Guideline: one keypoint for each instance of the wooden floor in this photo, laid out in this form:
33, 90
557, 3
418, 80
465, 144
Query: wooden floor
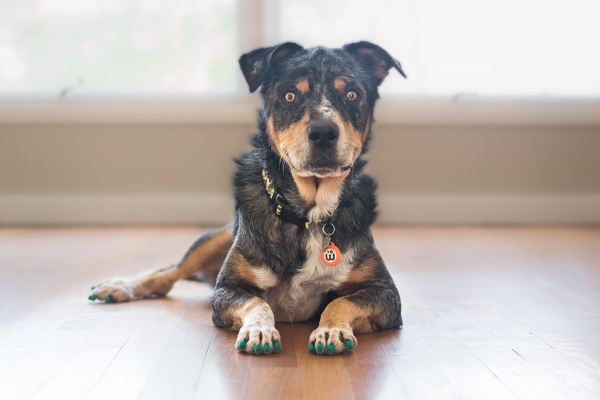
490, 313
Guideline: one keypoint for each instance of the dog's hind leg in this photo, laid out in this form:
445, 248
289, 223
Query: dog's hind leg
201, 262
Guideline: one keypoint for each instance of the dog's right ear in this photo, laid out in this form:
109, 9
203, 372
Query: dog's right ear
256, 64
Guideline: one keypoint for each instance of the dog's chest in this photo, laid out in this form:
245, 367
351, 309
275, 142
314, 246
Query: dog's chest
299, 299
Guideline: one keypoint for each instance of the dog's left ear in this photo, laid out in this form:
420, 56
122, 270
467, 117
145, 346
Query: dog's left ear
373, 58
256, 64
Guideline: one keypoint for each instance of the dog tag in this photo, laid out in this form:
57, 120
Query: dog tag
332, 255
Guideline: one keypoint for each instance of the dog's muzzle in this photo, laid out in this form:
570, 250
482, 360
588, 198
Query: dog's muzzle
324, 159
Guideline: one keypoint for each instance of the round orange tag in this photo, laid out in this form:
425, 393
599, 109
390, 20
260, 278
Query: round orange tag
332, 255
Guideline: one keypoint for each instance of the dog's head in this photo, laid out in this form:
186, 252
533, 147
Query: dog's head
318, 102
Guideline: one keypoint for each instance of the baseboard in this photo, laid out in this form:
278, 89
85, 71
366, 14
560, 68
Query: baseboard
490, 209
172, 209
201, 209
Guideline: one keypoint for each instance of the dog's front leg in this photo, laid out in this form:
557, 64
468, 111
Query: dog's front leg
251, 315
373, 306
238, 305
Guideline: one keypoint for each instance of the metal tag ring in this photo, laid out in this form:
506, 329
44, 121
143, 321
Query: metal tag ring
332, 229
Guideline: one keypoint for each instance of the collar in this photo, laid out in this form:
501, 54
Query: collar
280, 206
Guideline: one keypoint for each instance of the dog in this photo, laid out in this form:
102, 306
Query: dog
300, 247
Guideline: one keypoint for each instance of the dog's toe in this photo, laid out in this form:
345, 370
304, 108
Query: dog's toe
258, 340
330, 341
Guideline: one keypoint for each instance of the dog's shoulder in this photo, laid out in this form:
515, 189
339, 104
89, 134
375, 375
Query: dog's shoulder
247, 180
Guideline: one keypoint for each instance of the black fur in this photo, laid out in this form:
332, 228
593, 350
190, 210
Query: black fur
261, 237
281, 244
313, 131
321, 65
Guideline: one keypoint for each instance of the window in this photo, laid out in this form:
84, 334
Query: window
509, 47
118, 46
495, 48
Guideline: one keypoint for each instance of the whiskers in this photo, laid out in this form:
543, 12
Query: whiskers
284, 162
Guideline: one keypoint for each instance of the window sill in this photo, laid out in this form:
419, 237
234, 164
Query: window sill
241, 110
130, 110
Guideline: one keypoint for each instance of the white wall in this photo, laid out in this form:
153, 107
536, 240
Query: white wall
121, 171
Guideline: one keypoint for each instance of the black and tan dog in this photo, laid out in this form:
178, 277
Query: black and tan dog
300, 246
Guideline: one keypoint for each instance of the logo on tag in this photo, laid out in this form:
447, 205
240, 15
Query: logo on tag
332, 255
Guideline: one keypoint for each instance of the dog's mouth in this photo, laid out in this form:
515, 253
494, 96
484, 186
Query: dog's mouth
321, 172
314, 164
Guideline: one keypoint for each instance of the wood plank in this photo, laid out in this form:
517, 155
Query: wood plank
507, 313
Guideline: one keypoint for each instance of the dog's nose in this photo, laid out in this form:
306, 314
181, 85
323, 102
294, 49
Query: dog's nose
323, 134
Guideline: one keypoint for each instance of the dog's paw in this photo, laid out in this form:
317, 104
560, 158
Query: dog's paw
257, 339
330, 341
115, 290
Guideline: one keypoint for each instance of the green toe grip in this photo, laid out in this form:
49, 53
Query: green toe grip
109, 299
330, 349
93, 287
242, 346
320, 347
257, 349
349, 345
267, 349
276, 347
91, 297
311, 348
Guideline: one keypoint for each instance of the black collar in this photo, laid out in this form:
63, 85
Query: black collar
280, 206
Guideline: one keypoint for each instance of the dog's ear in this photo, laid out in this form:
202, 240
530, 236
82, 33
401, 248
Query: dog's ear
373, 58
256, 64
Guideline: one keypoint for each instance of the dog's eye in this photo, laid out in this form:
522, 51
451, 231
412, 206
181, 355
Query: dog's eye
351, 96
290, 97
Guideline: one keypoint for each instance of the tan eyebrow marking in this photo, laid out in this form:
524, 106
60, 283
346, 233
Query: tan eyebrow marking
303, 86
339, 84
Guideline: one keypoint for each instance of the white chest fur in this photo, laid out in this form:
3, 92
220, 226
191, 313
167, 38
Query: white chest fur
299, 299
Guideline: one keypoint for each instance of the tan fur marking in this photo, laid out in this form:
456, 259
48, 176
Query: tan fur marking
161, 281
361, 274
350, 135
208, 257
243, 310
327, 186
365, 134
238, 315
339, 84
315, 190
307, 186
291, 143
240, 266
344, 314
356, 138
285, 141
303, 86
